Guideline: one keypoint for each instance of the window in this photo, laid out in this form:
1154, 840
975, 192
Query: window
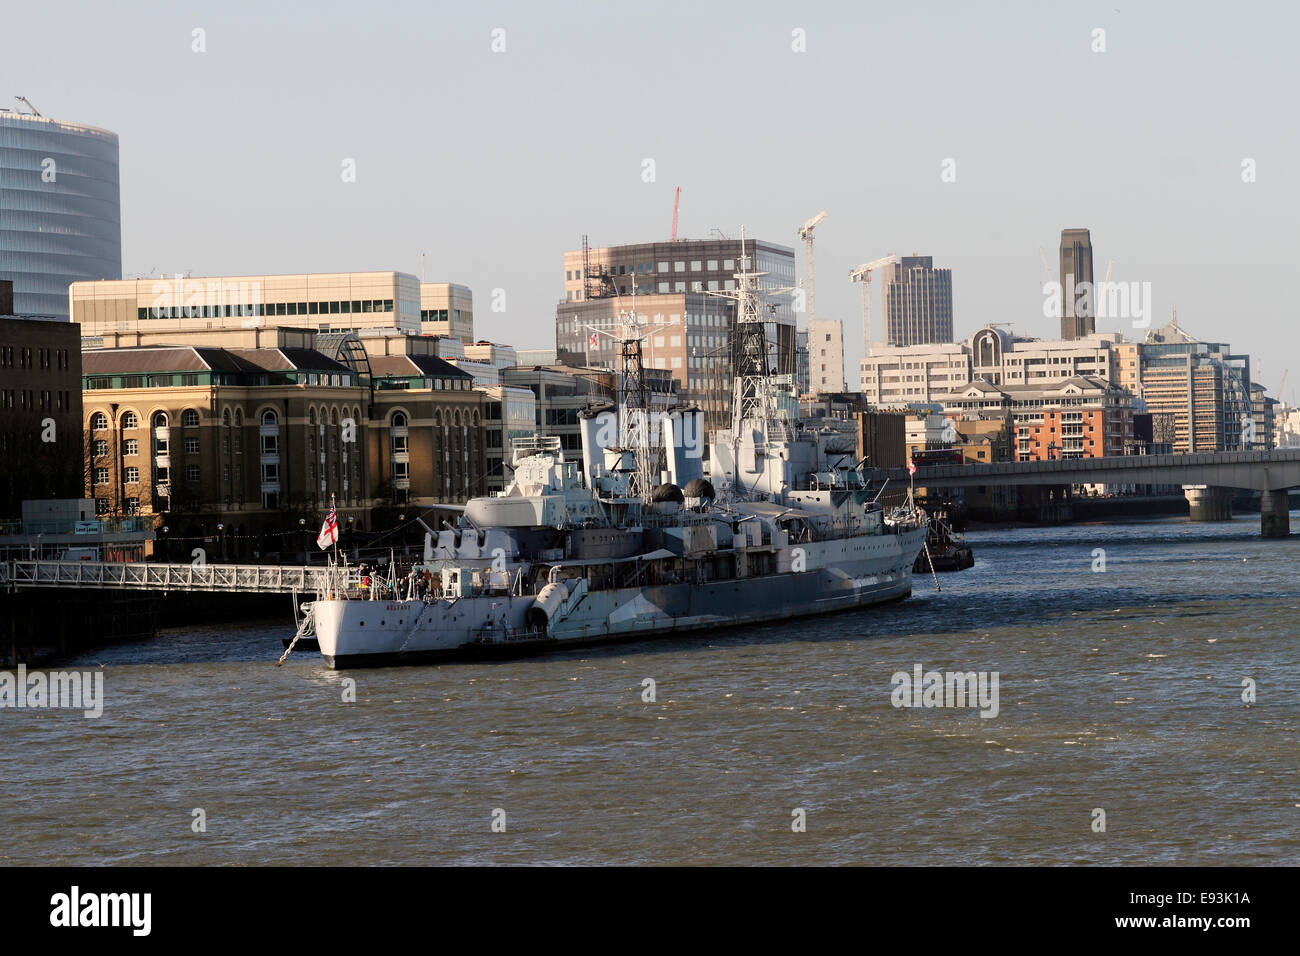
130, 421
192, 473
162, 475
270, 445
101, 506
268, 418
160, 446
399, 444
133, 476
101, 476
99, 422
225, 418
189, 418
131, 446
270, 472
133, 506
191, 446
101, 447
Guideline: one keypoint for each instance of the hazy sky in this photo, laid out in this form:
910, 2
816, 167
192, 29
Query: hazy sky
493, 164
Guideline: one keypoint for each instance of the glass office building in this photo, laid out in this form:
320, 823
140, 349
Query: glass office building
60, 209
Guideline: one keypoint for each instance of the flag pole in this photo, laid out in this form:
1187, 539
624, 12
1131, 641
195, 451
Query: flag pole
335, 535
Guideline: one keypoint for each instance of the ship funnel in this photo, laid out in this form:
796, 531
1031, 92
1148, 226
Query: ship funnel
599, 430
684, 445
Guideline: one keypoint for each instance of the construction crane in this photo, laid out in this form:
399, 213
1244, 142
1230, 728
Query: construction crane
676, 199
863, 274
806, 234
28, 103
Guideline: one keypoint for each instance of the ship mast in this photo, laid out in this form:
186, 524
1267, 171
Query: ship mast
753, 398
636, 431
634, 420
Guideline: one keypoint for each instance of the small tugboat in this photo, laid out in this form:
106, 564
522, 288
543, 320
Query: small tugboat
945, 550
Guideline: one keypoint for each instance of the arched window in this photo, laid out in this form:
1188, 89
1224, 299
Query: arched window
269, 418
225, 417
189, 418
475, 417
455, 418
239, 417
334, 416
311, 417
437, 417
160, 420
129, 421
399, 419
99, 422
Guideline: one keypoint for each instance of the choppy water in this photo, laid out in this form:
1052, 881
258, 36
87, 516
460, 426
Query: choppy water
1119, 690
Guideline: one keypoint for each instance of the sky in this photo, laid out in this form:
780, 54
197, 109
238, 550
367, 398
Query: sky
971, 132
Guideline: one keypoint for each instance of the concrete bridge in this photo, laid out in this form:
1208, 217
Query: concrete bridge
148, 576
1206, 478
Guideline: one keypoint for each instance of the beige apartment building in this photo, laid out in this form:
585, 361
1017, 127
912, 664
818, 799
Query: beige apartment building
901, 375
334, 301
447, 309
825, 356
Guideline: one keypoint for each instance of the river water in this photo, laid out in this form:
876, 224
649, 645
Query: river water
1120, 690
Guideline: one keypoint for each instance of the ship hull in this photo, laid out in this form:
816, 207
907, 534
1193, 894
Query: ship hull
379, 634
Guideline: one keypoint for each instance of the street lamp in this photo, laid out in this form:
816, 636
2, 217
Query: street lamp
221, 531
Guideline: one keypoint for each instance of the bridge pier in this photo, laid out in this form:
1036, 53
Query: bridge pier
1275, 514
1208, 503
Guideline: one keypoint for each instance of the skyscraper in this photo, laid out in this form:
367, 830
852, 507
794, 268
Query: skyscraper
60, 209
1076, 267
918, 302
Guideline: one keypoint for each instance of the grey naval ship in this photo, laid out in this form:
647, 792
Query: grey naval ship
635, 540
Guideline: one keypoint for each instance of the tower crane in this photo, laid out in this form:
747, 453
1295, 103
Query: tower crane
806, 234
676, 199
28, 103
863, 274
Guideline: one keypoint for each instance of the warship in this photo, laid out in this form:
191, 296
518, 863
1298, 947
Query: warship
632, 539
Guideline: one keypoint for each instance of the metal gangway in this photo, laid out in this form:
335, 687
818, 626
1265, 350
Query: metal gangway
149, 576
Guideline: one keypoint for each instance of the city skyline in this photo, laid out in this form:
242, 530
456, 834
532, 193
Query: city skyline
1168, 201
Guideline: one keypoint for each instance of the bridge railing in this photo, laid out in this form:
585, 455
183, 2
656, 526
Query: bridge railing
267, 579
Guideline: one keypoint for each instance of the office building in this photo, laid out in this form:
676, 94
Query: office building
41, 442
134, 311
685, 333
918, 302
1205, 384
447, 309
509, 413
60, 209
1078, 320
825, 356
895, 376
683, 267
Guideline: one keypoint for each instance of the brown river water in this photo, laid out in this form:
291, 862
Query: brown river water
1119, 690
